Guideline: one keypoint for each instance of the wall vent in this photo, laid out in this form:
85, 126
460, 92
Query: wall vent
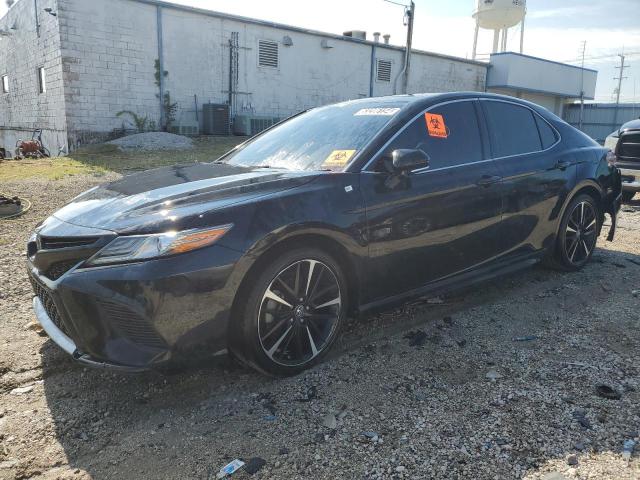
267, 54
383, 70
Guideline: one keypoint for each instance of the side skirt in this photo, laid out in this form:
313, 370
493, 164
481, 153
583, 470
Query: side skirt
457, 281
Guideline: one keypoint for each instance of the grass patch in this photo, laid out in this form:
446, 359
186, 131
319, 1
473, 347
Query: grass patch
110, 157
49, 168
101, 158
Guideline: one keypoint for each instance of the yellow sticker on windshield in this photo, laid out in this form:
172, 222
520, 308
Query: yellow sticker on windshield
338, 158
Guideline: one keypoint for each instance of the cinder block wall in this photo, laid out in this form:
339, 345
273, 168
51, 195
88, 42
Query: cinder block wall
28, 47
109, 48
108, 52
101, 61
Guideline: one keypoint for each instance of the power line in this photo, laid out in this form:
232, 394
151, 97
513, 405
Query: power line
600, 57
396, 3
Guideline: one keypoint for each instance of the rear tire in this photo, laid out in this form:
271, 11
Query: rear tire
628, 196
294, 309
578, 234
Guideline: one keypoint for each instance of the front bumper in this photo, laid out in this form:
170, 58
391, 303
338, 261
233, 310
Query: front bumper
139, 316
66, 344
630, 180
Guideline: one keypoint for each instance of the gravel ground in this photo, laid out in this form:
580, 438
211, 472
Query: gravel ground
497, 382
154, 141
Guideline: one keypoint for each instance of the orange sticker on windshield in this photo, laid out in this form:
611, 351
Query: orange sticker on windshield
338, 158
435, 125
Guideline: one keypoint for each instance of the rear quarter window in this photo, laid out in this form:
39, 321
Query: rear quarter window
512, 128
547, 134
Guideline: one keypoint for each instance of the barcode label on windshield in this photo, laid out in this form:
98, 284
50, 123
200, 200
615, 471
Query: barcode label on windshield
376, 111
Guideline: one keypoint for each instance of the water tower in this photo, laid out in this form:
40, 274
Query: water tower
499, 16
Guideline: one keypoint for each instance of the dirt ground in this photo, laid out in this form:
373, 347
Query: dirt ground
497, 382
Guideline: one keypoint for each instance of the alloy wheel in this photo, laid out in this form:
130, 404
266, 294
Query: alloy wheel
580, 236
299, 313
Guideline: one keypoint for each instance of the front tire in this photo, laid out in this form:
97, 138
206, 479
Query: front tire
294, 310
578, 234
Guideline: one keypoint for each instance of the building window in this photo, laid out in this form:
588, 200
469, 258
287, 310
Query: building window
267, 54
383, 70
5, 84
42, 82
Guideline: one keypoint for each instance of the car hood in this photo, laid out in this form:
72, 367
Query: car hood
172, 197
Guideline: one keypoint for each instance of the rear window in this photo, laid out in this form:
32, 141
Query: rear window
512, 129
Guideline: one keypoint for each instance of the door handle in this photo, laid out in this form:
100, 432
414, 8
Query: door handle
563, 165
488, 180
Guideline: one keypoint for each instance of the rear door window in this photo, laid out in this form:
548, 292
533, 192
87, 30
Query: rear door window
449, 134
512, 129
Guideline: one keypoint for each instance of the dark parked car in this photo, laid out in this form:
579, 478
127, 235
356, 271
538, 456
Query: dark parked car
342, 209
625, 144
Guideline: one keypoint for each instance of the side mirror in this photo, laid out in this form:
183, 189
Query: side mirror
405, 160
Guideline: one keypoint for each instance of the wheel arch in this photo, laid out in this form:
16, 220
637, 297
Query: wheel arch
317, 239
591, 188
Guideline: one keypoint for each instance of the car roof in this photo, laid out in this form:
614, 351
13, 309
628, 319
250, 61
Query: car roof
418, 100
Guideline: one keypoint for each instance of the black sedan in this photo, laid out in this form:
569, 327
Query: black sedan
339, 210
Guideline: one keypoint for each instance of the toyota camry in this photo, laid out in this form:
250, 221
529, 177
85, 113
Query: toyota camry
337, 211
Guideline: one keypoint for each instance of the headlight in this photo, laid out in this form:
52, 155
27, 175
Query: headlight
141, 247
611, 142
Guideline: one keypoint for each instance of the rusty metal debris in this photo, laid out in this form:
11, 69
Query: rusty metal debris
31, 148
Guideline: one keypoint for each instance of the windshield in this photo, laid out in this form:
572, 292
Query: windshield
325, 138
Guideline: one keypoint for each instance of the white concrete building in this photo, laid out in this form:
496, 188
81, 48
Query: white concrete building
545, 82
70, 66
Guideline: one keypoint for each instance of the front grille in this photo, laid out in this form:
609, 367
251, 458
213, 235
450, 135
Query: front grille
56, 270
53, 243
49, 305
629, 148
53, 256
131, 325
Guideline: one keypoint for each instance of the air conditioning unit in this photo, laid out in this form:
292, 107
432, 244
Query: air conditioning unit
185, 129
250, 125
215, 119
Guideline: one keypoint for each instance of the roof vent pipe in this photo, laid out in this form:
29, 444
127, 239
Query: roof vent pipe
386, 37
376, 37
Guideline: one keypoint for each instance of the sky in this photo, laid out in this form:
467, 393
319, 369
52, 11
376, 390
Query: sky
553, 29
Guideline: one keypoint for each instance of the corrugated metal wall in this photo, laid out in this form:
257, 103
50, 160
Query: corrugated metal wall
598, 119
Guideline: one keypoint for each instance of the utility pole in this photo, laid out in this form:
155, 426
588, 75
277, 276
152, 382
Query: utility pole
409, 14
584, 47
619, 78
35, 9
407, 62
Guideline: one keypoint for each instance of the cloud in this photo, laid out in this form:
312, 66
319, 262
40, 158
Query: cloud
614, 14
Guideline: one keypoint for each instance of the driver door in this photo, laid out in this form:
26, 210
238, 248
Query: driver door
435, 221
